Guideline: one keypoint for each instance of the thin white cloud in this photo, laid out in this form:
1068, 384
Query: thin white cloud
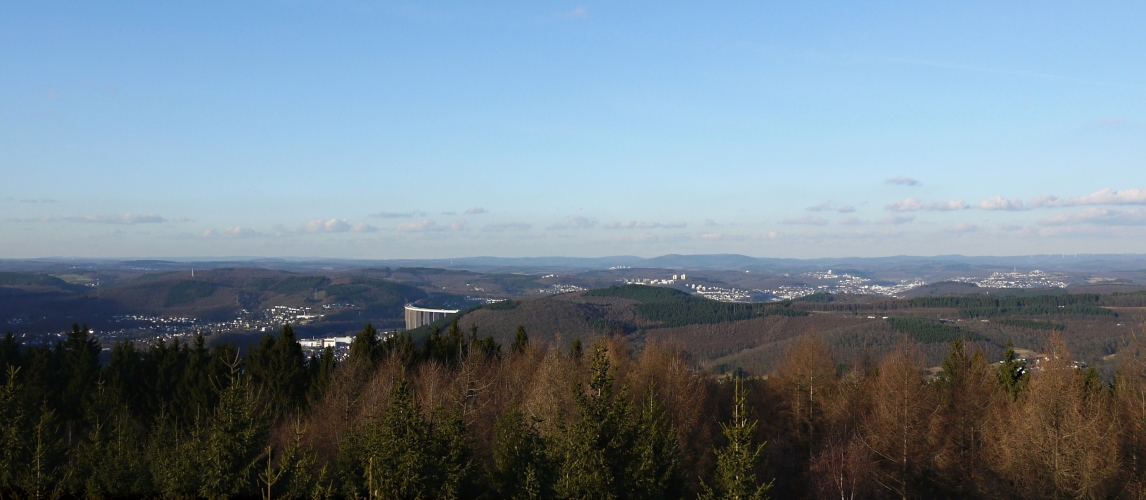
944, 206
853, 221
1111, 122
336, 226
905, 205
828, 206
806, 221
475, 210
399, 215
1099, 216
963, 227
574, 222
576, 13
429, 226
722, 236
1000, 203
233, 232
327, 226
914, 204
511, 226
1104, 197
31, 200
645, 225
896, 220
128, 218
421, 226
903, 181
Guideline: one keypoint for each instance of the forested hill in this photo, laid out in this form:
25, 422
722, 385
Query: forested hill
974, 306
727, 336
216, 294
628, 309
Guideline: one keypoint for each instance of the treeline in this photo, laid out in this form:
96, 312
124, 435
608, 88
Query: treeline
672, 308
1033, 324
986, 306
459, 416
928, 331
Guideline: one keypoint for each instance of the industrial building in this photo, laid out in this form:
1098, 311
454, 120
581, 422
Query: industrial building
418, 316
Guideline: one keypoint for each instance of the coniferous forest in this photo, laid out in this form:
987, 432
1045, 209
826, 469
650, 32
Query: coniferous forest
459, 416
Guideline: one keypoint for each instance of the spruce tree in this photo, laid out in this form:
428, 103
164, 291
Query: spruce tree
736, 462
576, 350
277, 367
175, 456
9, 355
124, 374
598, 447
364, 349
237, 430
287, 472
79, 358
520, 340
164, 368
13, 432
44, 472
655, 468
321, 371
198, 394
110, 460
1012, 373
523, 467
400, 455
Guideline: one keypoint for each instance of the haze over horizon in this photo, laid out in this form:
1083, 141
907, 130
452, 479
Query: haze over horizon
387, 130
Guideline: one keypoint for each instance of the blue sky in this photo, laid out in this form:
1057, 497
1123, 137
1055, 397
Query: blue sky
401, 130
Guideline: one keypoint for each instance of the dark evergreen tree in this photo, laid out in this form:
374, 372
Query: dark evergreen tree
175, 456
13, 432
520, 340
400, 455
200, 374
598, 447
365, 349
124, 375
46, 459
42, 378
278, 368
321, 370
737, 461
164, 368
9, 355
235, 437
576, 350
401, 345
110, 460
79, 362
288, 472
655, 467
523, 467
1013, 373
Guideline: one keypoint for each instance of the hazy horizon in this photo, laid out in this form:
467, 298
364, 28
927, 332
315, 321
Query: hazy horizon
255, 258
